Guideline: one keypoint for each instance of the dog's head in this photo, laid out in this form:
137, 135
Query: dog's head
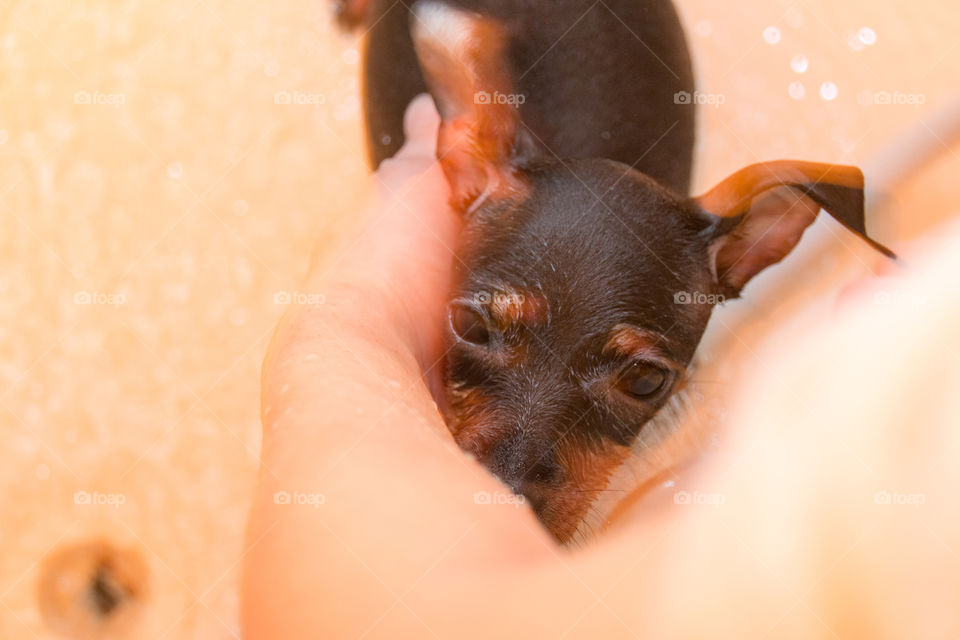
583, 287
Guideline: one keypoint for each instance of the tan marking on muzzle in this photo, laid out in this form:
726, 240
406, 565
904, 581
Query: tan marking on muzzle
587, 468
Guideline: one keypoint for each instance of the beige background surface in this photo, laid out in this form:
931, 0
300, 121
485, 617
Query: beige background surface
157, 204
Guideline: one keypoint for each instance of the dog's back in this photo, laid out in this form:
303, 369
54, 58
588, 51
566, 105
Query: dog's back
596, 79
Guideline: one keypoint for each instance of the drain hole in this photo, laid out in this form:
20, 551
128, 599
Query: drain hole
92, 590
105, 592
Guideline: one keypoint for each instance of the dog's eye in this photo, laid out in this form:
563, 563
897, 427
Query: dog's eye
469, 325
642, 380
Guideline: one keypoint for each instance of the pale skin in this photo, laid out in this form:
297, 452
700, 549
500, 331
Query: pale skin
401, 548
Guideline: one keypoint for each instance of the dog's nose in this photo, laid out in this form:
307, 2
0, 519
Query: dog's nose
530, 468
540, 482
544, 470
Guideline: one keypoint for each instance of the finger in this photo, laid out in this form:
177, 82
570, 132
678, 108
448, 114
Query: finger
420, 125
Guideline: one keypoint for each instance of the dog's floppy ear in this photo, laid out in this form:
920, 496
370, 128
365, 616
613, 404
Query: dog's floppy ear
463, 59
761, 211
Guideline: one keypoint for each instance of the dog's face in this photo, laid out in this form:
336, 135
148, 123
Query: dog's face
583, 287
577, 309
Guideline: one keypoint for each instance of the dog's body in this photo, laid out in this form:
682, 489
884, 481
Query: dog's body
585, 274
595, 83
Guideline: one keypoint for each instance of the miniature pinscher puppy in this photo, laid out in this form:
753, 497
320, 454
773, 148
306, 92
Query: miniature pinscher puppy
585, 274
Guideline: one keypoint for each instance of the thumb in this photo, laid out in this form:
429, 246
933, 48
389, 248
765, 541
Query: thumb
420, 126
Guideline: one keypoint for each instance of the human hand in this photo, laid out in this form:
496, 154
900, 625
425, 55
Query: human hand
390, 539
397, 268
349, 420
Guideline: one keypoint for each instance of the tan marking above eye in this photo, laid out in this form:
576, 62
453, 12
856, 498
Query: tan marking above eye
509, 307
627, 340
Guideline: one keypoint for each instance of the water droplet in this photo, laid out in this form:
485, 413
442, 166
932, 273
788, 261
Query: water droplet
867, 36
771, 35
351, 56
605, 135
385, 140
43, 471
704, 28
796, 90
175, 170
240, 207
853, 41
828, 91
799, 63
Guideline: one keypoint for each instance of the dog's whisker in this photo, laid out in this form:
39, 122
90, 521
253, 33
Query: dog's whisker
598, 490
